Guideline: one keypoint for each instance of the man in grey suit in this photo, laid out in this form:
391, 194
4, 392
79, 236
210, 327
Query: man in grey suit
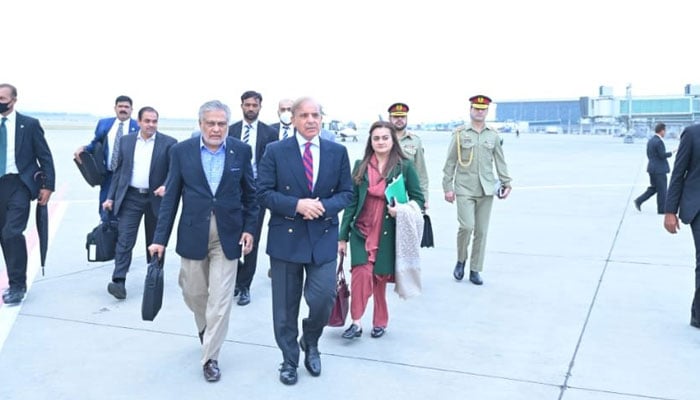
657, 169
305, 182
683, 195
138, 184
213, 176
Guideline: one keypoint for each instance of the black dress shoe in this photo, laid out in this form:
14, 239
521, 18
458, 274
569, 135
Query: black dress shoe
288, 374
637, 205
475, 278
211, 371
312, 358
244, 297
236, 291
377, 332
459, 271
354, 331
13, 297
117, 290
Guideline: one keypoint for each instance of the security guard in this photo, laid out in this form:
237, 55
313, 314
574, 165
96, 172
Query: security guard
469, 178
410, 144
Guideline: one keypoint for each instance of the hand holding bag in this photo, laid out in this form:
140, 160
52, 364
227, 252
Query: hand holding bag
152, 290
342, 298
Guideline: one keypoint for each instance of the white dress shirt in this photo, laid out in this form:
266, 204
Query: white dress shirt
143, 153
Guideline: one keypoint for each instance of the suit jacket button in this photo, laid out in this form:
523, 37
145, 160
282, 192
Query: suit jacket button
286, 188
386, 233
290, 230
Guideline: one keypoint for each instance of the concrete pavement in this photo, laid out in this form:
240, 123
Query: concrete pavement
584, 299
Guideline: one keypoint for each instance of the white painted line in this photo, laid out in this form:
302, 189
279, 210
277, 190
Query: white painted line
8, 314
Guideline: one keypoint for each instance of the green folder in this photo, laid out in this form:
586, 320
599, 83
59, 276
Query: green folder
396, 189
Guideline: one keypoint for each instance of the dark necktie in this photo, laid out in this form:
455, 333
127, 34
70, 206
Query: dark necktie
309, 166
115, 151
3, 146
285, 134
246, 134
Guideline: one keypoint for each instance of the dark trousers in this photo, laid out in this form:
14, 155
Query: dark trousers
246, 269
133, 208
319, 293
104, 190
657, 186
14, 213
695, 226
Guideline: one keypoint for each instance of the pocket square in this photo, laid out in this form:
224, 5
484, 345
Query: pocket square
235, 169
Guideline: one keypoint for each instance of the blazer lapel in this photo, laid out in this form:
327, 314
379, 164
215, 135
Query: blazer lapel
19, 134
297, 166
230, 157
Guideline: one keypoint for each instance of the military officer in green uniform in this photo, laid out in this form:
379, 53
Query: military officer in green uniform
410, 144
468, 177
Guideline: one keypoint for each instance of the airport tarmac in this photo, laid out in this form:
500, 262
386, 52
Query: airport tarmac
584, 298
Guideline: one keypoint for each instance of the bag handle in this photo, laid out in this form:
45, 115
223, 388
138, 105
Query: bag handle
340, 273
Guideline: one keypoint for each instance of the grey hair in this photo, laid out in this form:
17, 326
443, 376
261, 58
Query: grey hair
214, 105
298, 102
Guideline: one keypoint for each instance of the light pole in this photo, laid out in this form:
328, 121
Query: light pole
629, 107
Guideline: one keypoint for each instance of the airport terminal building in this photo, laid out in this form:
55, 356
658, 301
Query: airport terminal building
604, 114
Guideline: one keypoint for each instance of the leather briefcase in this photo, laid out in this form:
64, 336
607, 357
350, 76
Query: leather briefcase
101, 242
152, 290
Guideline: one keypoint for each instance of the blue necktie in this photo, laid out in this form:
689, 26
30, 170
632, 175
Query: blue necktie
3, 146
115, 151
309, 167
285, 134
246, 134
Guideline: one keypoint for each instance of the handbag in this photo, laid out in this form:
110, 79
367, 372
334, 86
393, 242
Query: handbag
427, 239
342, 298
91, 165
101, 242
152, 290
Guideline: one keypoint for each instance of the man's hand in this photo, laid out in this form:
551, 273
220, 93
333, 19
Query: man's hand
160, 192
310, 208
450, 197
671, 223
44, 196
156, 249
246, 243
505, 191
76, 155
107, 205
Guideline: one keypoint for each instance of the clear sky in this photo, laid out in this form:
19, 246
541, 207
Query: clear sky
355, 57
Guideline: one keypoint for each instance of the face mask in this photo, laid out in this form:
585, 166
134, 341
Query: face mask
4, 107
286, 117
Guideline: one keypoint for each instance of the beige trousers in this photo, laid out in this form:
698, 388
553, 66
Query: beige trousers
473, 214
207, 287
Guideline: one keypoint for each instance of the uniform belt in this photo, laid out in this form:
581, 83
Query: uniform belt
138, 190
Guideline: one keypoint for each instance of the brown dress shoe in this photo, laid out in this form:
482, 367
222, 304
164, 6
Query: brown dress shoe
211, 371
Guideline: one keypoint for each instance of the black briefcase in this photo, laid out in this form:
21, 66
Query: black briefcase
427, 240
152, 290
91, 165
101, 243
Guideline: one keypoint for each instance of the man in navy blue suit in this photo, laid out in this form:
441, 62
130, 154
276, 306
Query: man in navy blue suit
107, 132
213, 176
24, 158
305, 182
257, 135
683, 195
657, 169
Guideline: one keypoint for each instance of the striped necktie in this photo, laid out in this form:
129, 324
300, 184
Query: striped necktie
285, 134
309, 167
3, 146
115, 151
246, 134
